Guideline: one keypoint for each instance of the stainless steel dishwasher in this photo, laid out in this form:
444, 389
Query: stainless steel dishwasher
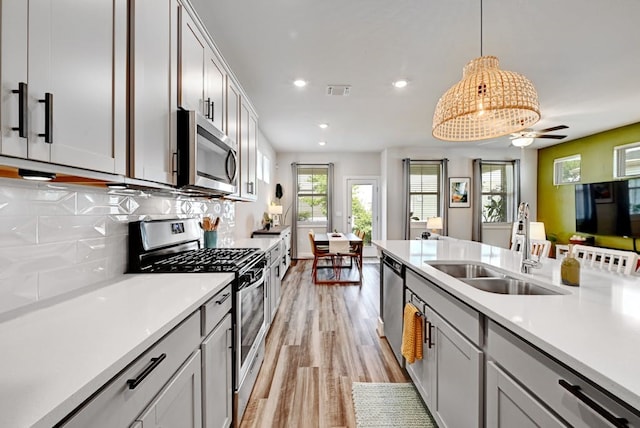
392, 302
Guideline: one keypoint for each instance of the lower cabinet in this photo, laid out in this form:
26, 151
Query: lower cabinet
509, 405
179, 404
450, 375
216, 376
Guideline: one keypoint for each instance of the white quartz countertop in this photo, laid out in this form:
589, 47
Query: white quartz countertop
593, 328
263, 243
54, 358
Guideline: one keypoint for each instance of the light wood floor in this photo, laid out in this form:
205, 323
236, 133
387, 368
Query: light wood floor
322, 339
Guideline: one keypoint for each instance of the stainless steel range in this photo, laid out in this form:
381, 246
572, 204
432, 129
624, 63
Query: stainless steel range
174, 246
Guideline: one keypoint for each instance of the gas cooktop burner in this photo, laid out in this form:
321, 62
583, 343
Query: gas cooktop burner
205, 260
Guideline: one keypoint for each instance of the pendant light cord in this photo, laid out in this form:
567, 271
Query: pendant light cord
481, 28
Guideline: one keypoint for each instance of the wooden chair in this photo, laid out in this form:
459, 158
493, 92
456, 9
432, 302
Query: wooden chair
623, 262
320, 253
355, 255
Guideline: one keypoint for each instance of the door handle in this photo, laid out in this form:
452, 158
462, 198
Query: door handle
22, 109
48, 118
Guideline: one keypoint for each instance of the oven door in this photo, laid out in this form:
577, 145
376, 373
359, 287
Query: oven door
250, 323
207, 159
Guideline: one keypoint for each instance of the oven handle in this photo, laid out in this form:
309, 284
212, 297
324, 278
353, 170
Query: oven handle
254, 284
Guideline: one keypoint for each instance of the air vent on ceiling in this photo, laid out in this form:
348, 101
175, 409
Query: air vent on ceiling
339, 90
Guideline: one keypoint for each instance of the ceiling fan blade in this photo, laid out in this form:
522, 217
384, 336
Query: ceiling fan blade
553, 128
555, 137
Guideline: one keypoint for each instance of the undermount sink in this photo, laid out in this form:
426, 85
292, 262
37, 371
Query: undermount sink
507, 285
490, 280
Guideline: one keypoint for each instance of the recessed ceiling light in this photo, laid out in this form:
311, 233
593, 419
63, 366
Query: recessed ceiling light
400, 83
322, 143
324, 125
300, 83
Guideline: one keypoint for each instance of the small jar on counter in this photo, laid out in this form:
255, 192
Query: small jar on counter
570, 269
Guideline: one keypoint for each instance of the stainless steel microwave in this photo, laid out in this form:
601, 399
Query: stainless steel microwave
207, 158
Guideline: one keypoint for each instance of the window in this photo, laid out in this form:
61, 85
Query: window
312, 193
626, 160
425, 180
259, 165
267, 169
634, 196
498, 186
566, 170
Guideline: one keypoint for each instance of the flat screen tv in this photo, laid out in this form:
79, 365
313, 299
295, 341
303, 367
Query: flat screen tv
609, 208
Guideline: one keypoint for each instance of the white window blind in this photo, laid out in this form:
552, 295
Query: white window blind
498, 192
424, 190
312, 194
626, 160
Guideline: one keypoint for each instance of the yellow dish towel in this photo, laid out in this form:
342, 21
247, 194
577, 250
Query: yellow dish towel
412, 334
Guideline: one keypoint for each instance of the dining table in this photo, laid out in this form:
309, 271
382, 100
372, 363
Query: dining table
355, 243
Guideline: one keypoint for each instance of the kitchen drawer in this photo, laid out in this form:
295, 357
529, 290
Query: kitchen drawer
215, 309
457, 313
542, 376
117, 405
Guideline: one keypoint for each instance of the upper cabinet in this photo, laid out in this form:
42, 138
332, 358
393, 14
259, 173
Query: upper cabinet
153, 90
248, 124
64, 82
202, 76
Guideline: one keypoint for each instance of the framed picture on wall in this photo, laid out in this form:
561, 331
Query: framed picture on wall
459, 192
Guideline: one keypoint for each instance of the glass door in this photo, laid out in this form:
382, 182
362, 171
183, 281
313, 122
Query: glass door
362, 210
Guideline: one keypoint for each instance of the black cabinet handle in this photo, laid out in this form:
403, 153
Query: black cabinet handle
155, 362
429, 329
209, 114
224, 297
213, 110
577, 392
48, 118
22, 109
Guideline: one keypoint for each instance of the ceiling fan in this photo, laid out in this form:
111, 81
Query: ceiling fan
526, 136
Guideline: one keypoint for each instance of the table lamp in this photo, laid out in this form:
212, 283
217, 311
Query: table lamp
434, 224
536, 230
276, 212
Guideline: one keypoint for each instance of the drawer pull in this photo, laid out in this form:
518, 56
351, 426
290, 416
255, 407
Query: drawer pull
22, 109
429, 331
223, 299
577, 392
155, 362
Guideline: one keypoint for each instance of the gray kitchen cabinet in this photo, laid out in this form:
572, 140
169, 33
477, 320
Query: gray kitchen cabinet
153, 98
124, 398
284, 234
216, 376
450, 378
179, 404
67, 63
202, 75
552, 385
217, 361
274, 280
193, 49
247, 184
509, 405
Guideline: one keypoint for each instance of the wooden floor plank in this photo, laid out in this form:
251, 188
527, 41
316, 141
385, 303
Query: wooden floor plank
322, 339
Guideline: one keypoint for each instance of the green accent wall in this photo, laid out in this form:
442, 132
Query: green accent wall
556, 204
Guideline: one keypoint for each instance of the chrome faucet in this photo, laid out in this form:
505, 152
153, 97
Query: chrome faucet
523, 229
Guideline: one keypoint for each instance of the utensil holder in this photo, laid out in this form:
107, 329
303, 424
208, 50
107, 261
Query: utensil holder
210, 238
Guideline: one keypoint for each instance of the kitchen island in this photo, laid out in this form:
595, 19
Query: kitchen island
592, 330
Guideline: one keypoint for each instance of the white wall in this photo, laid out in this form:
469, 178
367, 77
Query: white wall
345, 165
249, 214
460, 157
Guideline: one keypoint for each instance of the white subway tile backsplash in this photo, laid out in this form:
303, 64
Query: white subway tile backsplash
58, 228
18, 291
56, 238
17, 230
60, 281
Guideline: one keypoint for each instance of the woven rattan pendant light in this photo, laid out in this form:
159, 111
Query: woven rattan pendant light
486, 103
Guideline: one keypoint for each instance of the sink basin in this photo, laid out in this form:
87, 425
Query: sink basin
490, 280
507, 285
465, 270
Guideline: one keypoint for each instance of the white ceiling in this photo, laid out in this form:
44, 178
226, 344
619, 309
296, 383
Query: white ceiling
583, 57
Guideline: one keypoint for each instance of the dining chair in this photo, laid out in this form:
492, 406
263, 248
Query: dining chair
607, 259
320, 253
539, 247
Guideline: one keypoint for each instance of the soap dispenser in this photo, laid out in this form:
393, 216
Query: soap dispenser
570, 269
